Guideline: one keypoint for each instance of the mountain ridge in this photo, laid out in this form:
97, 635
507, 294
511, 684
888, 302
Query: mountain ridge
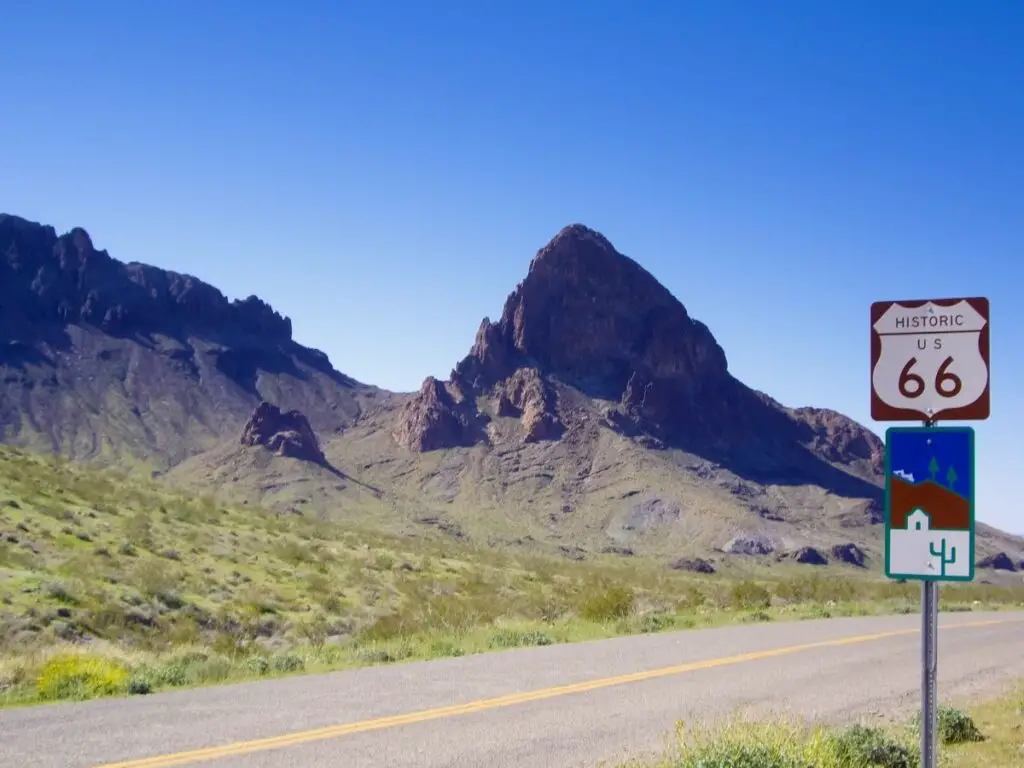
104, 359
595, 414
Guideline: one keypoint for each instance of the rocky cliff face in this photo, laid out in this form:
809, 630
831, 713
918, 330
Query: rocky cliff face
46, 278
591, 319
286, 433
102, 357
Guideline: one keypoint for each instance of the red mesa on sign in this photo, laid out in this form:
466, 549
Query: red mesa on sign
930, 360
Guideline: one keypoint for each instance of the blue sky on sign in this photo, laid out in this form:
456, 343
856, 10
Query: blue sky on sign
383, 173
911, 454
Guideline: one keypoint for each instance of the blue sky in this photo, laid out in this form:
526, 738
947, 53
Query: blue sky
383, 173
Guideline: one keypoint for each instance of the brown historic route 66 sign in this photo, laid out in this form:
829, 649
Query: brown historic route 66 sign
930, 360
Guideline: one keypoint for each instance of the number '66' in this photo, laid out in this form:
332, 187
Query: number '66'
946, 384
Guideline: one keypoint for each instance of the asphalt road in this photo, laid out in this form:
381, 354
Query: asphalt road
552, 707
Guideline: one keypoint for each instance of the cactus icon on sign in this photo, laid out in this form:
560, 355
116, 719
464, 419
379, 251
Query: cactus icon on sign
941, 554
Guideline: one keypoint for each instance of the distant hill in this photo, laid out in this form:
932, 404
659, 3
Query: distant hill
595, 415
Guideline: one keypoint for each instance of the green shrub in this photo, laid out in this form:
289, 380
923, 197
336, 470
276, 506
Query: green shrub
80, 676
817, 612
139, 685
188, 668
445, 648
862, 747
657, 622
750, 595
315, 631
517, 638
607, 605
287, 662
780, 745
373, 655
745, 745
60, 592
214, 670
390, 627
738, 755
257, 665
955, 726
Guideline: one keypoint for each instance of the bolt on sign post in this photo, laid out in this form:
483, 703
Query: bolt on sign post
929, 361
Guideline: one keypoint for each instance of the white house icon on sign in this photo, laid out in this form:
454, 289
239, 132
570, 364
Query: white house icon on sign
918, 520
921, 549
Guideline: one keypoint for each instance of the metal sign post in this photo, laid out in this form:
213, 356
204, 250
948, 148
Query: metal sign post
929, 671
929, 359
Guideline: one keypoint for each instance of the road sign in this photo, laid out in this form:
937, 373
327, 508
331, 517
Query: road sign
929, 503
930, 360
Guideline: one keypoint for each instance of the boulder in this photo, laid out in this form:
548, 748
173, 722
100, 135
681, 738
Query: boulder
809, 556
850, 554
998, 562
749, 545
693, 565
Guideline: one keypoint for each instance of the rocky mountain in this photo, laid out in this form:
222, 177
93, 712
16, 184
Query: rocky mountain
595, 417
106, 360
591, 319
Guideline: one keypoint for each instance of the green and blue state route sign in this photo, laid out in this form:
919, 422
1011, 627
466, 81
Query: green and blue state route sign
929, 503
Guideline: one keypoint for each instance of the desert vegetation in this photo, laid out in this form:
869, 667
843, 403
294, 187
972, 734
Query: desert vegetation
112, 585
986, 736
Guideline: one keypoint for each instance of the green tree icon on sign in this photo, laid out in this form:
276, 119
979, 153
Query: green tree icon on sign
933, 467
951, 477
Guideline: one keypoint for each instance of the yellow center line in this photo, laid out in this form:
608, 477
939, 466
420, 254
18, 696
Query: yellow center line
345, 729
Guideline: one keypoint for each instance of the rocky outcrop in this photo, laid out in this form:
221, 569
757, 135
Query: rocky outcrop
438, 416
809, 556
865, 513
997, 562
692, 564
850, 554
285, 433
526, 396
839, 438
749, 545
618, 549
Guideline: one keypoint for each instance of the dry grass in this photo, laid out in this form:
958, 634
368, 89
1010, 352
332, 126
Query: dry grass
1001, 724
130, 576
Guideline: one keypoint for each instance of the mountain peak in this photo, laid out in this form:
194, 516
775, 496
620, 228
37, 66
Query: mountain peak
576, 240
593, 317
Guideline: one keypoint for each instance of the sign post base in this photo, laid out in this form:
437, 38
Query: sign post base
929, 670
